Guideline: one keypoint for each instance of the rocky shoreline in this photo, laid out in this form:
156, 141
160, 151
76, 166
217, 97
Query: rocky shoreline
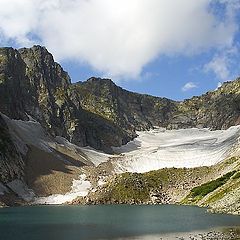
225, 234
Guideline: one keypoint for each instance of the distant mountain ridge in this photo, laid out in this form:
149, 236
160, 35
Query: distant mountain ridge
31, 83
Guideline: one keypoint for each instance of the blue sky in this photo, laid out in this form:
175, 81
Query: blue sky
174, 49
166, 76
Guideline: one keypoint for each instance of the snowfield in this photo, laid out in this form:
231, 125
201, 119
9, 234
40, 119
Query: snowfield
160, 148
21, 189
151, 150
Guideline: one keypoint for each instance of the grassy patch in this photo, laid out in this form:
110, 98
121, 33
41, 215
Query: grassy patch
199, 192
237, 175
138, 187
128, 187
221, 193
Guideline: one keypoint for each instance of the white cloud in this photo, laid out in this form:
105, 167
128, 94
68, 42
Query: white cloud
221, 64
188, 86
117, 37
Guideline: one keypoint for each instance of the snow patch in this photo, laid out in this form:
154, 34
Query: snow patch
95, 156
32, 133
21, 189
28, 132
89, 154
160, 148
80, 187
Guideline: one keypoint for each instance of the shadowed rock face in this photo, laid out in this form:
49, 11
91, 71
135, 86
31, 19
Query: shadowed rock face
131, 111
14, 85
218, 109
11, 160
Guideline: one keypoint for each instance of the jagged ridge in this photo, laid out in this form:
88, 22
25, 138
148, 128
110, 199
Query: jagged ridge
98, 112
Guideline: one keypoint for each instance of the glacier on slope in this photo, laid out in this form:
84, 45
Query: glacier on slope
160, 148
151, 150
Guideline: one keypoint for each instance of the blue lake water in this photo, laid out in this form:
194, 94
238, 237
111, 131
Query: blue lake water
105, 221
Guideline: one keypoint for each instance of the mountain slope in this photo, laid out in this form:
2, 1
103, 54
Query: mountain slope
11, 159
218, 109
45, 116
216, 187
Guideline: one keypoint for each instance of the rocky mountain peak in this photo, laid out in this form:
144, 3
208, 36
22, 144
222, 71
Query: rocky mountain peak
42, 69
100, 80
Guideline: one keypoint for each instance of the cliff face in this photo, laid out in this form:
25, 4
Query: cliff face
14, 85
48, 87
218, 109
11, 159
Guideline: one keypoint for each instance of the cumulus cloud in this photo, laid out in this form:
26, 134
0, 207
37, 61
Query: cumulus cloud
117, 37
188, 86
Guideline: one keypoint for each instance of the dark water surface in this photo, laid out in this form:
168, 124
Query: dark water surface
105, 222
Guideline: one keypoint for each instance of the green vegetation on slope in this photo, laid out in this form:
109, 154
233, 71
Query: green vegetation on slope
172, 185
130, 186
237, 175
199, 192
149, 187
138, 187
